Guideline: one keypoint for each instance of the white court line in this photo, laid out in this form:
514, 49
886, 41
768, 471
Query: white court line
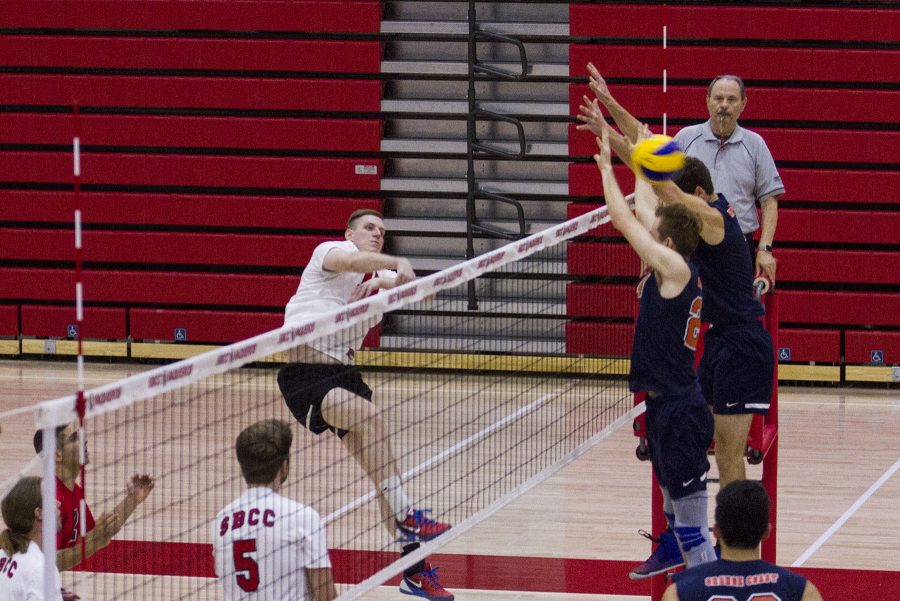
359, 501
847, 515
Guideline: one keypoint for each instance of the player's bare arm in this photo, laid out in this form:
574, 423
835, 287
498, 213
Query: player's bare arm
106, 526
671, 593
366, 262
321, 583
811, 593
765, 262
671, 269
713, 231
592, 120
630, 126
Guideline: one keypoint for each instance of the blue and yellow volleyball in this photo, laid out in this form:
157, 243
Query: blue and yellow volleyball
657, 158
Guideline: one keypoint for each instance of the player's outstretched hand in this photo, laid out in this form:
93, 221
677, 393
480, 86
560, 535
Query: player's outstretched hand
405, 272
139, 487
591, 117
598, 84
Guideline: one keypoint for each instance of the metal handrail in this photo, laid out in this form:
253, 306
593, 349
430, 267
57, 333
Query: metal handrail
475, 146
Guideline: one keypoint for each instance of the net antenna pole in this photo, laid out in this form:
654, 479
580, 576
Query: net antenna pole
658, 583
79, 319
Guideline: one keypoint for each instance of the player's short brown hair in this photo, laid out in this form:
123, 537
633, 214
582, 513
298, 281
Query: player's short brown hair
361, 213
692, 175
18, 512
681, 225
262, 448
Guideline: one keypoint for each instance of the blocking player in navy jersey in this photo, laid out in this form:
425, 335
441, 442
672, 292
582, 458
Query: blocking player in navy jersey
738, 363
742, 522
679, 425
325, 391
268, 547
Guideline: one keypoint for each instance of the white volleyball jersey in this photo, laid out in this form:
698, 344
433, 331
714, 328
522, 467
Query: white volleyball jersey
321, 291
263, 543
22, 576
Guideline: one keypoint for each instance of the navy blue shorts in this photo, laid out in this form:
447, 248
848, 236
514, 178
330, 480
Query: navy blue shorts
737, 369
679, 431
304, 386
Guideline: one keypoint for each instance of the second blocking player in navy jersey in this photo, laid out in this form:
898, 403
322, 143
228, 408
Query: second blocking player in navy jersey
738, 363
742, 522
679, 426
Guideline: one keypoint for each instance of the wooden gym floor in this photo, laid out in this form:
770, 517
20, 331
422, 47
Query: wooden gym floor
837, 495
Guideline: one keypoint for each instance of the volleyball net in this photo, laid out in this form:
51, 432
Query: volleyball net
479, 405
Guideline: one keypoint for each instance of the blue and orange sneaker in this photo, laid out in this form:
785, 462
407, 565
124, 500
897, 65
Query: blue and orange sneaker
666, 557
419, 527
424, 584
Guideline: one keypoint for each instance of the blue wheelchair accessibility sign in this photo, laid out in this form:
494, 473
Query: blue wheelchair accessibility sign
784, 353
72, 330
876, 357
180, 334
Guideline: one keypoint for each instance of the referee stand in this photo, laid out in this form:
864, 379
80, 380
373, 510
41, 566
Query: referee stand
762, 447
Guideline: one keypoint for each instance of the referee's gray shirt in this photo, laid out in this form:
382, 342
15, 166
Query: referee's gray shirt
742, 168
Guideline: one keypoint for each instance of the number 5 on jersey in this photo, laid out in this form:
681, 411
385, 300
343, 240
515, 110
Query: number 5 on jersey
245, 567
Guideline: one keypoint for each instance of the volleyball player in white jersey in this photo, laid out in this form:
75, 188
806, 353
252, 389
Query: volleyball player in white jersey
325, 391
21, 554
268, 547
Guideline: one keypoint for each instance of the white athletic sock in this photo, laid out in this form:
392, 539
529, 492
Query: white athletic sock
392, 489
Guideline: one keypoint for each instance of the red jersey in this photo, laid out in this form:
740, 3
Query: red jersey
70, 510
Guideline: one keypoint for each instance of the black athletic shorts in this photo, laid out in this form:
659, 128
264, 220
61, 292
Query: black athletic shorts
680, 430
737, 369
304, 386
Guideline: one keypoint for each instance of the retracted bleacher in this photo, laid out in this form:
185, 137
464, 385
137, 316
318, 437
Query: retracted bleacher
220, 142
823, 91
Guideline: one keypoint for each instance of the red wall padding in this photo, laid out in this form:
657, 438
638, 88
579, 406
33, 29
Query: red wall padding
809, 225
847, 308
811, 345
574, 209
202, 326
603, 258
343, 56
9, 320
121, 286
858, 346
796, 306
801, 225
99, 322
199, 132
183, 209
593, 338
735, 22
186, 248
191, 170
349, 16
812, 185
787, 64
857, 266
790, 104
339, 95
590, 300
793, 144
